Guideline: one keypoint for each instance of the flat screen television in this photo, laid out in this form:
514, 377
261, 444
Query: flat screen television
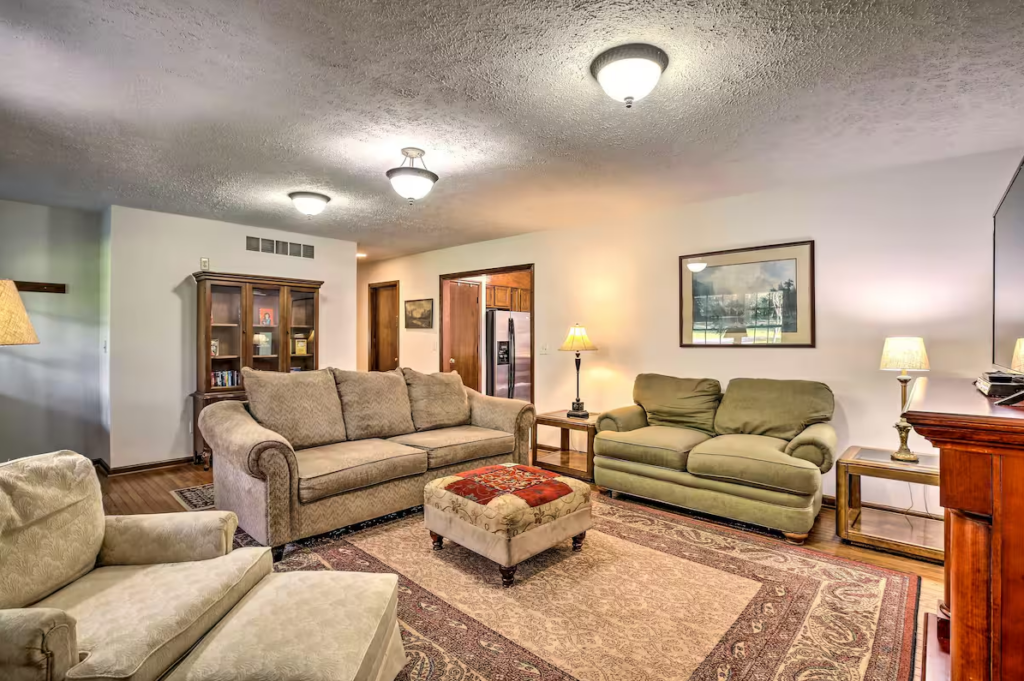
1008, 278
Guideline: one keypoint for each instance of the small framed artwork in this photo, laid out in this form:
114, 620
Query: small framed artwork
748, 297
419, 314
214, 347
266, 316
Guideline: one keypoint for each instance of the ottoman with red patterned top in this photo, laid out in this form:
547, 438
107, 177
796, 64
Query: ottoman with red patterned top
507, 513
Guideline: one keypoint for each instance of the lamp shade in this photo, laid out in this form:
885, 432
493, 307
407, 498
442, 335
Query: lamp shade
1017, 363
904, 353
577, 340
15, 327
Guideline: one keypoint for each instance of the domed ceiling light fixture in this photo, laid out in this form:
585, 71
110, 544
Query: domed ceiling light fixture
697, 265
409, 181
309, 203
628, 73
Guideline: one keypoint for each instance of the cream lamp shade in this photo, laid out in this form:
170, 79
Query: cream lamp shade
15, 327
577, 340
1017, 363
904, 354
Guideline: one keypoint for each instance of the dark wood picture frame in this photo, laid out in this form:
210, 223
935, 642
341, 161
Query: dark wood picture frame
683, 271
409, 319
533, 317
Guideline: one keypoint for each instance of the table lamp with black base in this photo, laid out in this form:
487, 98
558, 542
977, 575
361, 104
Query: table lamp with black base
904, 354
15, 328
577, 341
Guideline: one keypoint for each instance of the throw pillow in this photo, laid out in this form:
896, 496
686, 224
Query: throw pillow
375, 403
678, 402
776, 408
438, 400
303, 407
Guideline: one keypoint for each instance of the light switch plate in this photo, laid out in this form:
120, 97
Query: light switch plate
543, 348
204, 264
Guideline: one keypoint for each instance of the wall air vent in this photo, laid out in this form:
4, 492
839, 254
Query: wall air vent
255, 243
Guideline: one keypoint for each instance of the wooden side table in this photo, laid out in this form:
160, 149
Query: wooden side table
917, 535
564, 459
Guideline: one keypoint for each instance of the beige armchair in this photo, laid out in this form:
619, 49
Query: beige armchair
88, 596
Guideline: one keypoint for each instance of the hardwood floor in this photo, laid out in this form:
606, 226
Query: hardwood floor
149, 492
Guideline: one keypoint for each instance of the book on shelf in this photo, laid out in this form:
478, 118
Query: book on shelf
224, 379
264, 343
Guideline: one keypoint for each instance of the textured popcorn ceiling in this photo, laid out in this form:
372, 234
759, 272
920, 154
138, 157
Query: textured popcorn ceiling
219, 108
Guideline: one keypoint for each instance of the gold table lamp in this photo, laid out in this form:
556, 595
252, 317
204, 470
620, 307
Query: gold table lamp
577, 341
904, 354
15, 327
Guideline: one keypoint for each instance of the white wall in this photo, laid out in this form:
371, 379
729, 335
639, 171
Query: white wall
906, 251
49, 393
152, 317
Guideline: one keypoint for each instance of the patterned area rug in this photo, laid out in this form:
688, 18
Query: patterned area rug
652, 596
195, 498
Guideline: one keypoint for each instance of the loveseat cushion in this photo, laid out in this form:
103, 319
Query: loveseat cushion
345, 466
446, 446
755, 460
135, 621
51, 525
376, 403
662, 446
438, 400
303, 407
764, 406
678, 402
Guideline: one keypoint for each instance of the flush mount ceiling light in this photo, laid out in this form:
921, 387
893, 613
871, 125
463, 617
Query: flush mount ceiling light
309, 203
409, 181
696, 265
360, 255
628, 73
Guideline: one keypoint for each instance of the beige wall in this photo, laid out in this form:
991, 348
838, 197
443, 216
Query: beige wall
152, 318
905, 251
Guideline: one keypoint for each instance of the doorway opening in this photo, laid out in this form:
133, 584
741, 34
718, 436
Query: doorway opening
383, 318
487, 330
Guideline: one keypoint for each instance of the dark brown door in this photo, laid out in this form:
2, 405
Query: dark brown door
384, 326
463, 343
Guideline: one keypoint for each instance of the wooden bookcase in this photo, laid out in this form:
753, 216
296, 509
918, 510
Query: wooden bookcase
249, 321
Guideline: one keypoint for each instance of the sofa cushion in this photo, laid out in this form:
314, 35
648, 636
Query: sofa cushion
305, 626
678, 402
446, 446
135, 621
664, 446
438, 400
755, 460
763, 406
51, 525
376, 403
345, 466
303, 407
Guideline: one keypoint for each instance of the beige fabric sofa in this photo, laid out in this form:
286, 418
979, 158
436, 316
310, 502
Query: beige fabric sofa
754, 454
90, 597
321, 450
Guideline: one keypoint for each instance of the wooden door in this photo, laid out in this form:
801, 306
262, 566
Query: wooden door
503, 297
463, 341
383, 309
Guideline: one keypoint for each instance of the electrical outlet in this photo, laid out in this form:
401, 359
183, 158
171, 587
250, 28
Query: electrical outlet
543, 348
204, 264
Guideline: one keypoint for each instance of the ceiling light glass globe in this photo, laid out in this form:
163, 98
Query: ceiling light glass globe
696, 266
309, 203
412, 183
629, 80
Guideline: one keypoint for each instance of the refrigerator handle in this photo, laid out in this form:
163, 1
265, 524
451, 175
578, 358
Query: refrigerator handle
512, 357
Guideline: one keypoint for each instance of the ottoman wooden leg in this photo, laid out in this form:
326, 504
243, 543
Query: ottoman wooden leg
508, 575
438, 540
577, 541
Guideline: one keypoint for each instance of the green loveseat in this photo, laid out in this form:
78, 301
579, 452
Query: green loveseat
755, 454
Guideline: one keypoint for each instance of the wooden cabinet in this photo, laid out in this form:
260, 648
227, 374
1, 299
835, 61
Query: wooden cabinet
265, 323
523, 297
507, 298
489, 297
981, 471
503, 297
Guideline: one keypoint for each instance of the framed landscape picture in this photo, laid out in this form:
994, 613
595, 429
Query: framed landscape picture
419, 314
748, 297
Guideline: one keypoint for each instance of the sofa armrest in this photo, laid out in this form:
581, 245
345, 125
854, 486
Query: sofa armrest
232, 432
623, 419
500, 413
817, 444
37, 644
167, 537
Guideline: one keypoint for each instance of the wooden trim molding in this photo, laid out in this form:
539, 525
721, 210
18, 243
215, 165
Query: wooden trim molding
264, 281
39, 287
135, 468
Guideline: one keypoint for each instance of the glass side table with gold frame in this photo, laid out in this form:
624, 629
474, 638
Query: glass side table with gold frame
913, 534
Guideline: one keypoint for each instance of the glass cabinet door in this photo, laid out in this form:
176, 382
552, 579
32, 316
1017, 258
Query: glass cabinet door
225, 337
266, 328
302, 330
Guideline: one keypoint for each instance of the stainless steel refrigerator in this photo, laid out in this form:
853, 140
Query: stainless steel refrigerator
508, 354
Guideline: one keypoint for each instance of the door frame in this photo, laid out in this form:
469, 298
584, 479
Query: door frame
371, 312
533, 314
